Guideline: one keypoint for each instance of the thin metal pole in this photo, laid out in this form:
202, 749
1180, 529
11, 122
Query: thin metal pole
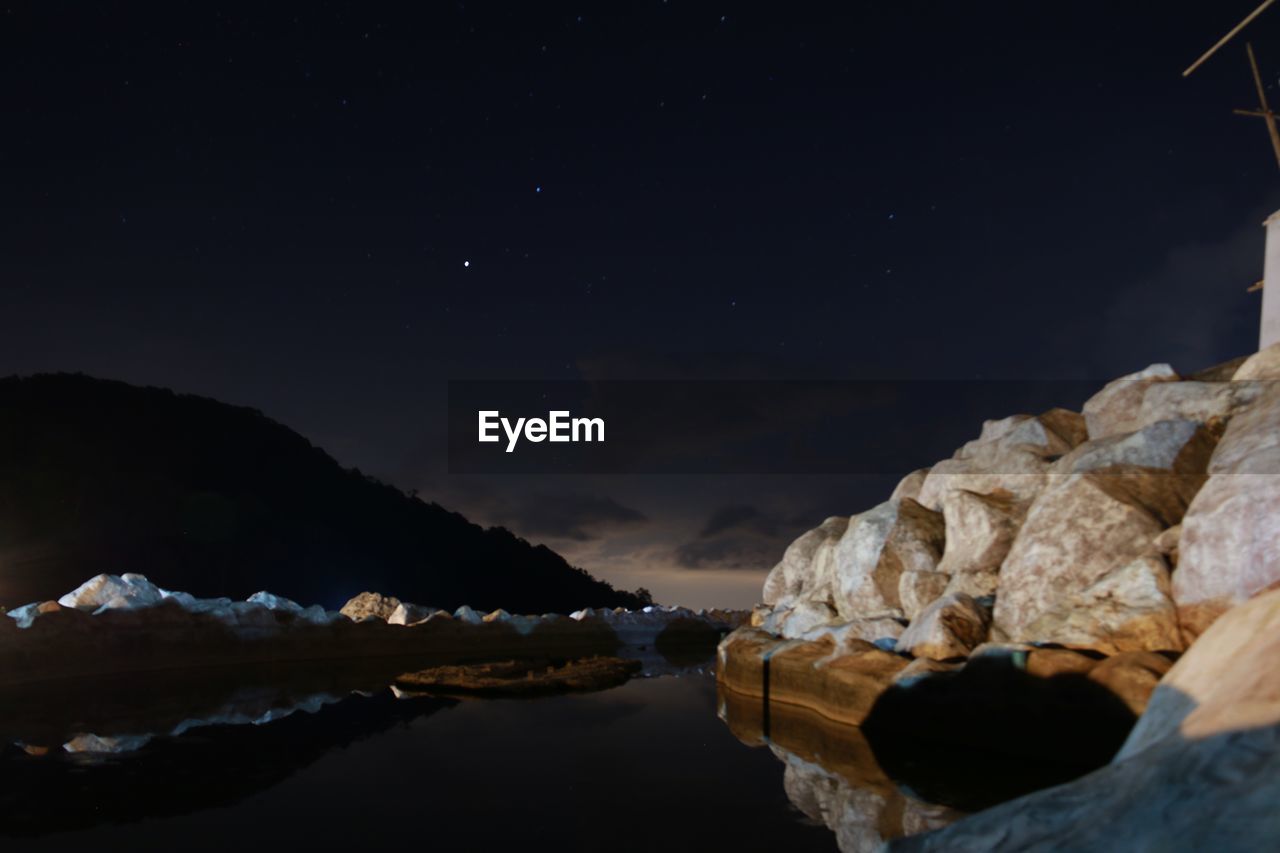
1238, 27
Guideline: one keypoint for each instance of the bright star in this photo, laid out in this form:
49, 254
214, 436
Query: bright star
466, 263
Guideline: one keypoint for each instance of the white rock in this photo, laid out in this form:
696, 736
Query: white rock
110, 592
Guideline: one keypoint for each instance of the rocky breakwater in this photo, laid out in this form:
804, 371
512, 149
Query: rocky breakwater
119, 624
1061, 560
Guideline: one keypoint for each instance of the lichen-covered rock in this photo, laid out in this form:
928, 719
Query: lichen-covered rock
1229, 548
878, 546
1109, 500
803, 571
948, 628
1117, 407
980, 530
370, 605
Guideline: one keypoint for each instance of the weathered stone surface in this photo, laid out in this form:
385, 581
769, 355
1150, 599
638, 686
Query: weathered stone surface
921, 669
1199, 771
1229, 549
840, 683
950, 627
1109, 500
1262, 365
802, 573
917, 590
878, 546
1117, 407
1036, 660
910, 485
1195, 401
1128, 609
980, 530
798, 619
370, 605
1011, 457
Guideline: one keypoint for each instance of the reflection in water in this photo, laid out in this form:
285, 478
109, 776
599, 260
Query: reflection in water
218, 760
832, 774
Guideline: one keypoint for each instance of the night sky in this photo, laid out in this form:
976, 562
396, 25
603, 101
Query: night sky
327, 210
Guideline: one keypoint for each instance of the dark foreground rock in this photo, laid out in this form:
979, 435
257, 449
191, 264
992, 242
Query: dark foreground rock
1200, 771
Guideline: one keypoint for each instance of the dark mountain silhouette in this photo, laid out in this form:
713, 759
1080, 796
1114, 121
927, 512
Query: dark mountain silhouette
102, 476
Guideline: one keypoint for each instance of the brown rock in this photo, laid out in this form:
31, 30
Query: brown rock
803, 572
1132, 676
1109, 500
950, 627
910, 485
370, 605
1116, 408
878, 546
1229, 549
980, 530
917, 590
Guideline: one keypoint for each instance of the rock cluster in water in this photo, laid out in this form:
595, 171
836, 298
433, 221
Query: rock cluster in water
1085, 551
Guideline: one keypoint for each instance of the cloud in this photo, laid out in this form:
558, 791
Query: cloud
737, 537
572, 516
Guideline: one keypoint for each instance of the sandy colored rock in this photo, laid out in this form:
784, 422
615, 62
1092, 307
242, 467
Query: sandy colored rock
1117, 407
917, 590
1262, 365
910, 485
1109, 500
1229, 549
1011, 457
520, 678
803, 570
1128, 609
1195, 401
1166, 545
980, 530
368, 605
878, 546
950, 627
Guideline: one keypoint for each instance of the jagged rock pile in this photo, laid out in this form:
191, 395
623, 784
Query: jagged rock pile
1127, 527
125, 623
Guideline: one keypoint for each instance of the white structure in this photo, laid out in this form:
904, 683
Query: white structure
1270, 332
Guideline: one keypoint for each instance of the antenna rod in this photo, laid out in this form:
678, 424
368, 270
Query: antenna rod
1262, 99
1240, 26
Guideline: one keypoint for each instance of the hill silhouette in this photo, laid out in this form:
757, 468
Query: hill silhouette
103, 476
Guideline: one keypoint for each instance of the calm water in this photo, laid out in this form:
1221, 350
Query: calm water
645, 766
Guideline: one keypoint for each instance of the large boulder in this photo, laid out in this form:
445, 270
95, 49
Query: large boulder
950, 627
917, 590
876, 549
1195, 401
1229, 549
1117, 408
112, 592
1127, 609
980, 530
370, 605
1109, 500
803, 572
1011, 457
1199, 771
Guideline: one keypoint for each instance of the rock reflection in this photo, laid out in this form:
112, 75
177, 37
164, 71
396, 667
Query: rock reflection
118, 750
831, 774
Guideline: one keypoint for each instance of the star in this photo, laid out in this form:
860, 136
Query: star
466, 263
